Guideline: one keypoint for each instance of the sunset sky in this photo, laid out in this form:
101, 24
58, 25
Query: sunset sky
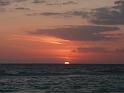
54, 31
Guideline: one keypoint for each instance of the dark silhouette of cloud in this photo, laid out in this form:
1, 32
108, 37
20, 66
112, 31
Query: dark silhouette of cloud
69, 2
20, 1
64, 14
120, 50
79, 33
91, 49
48, 14
113, 15
39, 1
109, 16
98, 50
83, 14
4, 2
22, 8
52, 14
8, 2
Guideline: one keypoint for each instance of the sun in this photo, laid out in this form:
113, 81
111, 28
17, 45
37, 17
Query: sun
67, 62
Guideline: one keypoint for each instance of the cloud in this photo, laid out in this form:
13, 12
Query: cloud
69, 2
20, 1
22, 8
52, 14
109, 16
4, 2
91, 49
8, 2
48, 14
121, 50
83, 14
79, 33
101, 16
98, 50
39, 1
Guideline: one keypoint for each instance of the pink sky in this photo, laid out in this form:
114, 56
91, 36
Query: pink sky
54, 31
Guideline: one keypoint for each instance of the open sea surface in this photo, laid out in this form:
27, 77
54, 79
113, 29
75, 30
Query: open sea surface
56, 78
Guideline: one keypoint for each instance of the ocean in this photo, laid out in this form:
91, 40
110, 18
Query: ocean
57, 78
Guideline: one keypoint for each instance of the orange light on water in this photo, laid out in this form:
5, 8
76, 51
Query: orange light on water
66, 62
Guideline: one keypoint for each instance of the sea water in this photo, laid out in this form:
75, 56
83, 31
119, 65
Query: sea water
55, 78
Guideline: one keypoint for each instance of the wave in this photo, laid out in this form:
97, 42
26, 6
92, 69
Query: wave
54, 70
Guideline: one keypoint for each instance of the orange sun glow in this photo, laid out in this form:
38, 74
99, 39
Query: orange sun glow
66, 62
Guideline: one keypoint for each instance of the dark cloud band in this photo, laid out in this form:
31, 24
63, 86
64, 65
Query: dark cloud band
109, 16
79, 33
